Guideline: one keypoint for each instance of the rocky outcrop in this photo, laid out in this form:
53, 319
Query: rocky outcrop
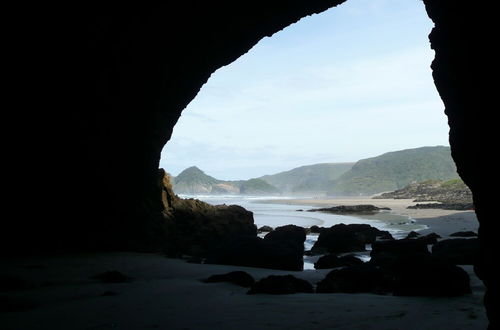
458, 251
347, 238
281, 284
364, 278
195, 228
424, 275
284, 250
446, 192
444, 206
334, 261
351, 209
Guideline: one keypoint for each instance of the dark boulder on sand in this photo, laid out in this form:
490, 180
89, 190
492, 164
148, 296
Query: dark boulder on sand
334, 261
240, 278
289, 235
347, 238
265, 229
283, 248
428, 239
425, 275
458, 251
356, 279
281, 284
388, 254
351, 209
315, 229
464, 234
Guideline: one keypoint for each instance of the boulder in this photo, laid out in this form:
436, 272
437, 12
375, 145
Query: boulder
458, 251
425, 275
464, 234
240, 278
289, 235
334, 261
194, 227
265, 229
257, 252
347, 238
281, 284
388, 254
412, 234
356, 279
351, 209
315, 229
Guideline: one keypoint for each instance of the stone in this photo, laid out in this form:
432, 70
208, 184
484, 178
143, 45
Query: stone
365, 278
464, 234
334, 261
458, 251
347, 238
289, 235
257, 252
351, 209
265, 229
281, 284
425, 275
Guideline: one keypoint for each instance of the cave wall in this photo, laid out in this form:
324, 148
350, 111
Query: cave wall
462, 40
94, 92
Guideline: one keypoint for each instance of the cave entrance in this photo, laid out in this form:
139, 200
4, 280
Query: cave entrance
351, 83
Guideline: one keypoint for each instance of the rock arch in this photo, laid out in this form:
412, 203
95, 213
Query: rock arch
96, 91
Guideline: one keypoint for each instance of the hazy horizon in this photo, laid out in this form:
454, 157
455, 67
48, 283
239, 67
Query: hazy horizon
288, 169
351, 83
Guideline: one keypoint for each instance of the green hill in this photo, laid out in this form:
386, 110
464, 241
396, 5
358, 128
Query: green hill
193, 181
394, 170
308, 179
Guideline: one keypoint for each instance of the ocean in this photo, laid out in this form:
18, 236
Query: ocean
275, 212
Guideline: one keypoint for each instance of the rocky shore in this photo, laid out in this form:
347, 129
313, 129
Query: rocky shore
448, 195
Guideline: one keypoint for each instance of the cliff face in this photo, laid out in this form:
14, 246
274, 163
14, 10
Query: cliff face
94, 93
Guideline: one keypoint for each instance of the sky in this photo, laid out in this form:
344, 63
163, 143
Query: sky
350, 83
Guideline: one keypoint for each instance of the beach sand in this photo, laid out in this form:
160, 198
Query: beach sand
167, 294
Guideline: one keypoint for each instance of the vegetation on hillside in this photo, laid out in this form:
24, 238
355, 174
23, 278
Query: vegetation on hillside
315, 178
394, 170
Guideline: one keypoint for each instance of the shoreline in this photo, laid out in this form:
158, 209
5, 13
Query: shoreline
442, 222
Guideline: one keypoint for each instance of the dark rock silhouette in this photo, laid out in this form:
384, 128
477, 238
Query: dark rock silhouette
464, 234
334, 261
265, 229
388, 254
424, 275
257, 252
347, 238
351, 209
458, 251
356, 279
194, 228
289, 235
281, 284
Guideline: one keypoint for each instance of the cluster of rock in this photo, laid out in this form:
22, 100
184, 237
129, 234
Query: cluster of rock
351, 209
449, 195
405, 267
